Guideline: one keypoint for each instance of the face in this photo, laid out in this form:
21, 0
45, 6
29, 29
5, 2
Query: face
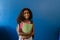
26, 14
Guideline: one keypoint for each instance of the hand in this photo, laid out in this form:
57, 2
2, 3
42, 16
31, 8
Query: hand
25, 37
28, 37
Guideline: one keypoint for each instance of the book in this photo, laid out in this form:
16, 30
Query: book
26, 28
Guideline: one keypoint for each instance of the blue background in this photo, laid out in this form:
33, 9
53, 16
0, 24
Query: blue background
46, 17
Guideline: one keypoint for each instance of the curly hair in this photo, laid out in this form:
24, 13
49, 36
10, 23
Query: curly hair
21, 15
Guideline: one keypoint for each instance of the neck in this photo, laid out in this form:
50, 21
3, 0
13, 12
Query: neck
26, 20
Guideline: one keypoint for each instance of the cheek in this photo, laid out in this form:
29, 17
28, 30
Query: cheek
24, 15
29, 15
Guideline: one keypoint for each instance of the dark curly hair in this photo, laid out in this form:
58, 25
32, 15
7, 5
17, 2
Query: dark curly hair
21, 15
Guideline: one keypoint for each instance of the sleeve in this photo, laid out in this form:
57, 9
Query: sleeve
33, 31
17, 29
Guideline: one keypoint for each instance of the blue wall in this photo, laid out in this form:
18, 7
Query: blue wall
46, 17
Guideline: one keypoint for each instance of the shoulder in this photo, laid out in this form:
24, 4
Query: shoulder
31, 22
19, 23
32, 25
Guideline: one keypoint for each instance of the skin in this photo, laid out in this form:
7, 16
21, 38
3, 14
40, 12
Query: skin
26, 36
26, 15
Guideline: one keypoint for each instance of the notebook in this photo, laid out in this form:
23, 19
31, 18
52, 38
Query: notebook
26, 28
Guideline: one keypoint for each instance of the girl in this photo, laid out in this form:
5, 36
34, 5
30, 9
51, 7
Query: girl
25, 17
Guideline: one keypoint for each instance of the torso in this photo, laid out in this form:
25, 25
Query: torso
21, 24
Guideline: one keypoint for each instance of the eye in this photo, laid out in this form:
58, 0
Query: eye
26, 12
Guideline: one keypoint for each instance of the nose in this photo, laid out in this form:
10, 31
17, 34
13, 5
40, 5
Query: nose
26, 13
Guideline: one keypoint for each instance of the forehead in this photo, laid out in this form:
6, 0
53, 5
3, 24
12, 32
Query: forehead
26, 11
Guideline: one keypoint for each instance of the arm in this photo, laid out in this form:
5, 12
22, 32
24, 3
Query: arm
32, 33
17, 29
20, 32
